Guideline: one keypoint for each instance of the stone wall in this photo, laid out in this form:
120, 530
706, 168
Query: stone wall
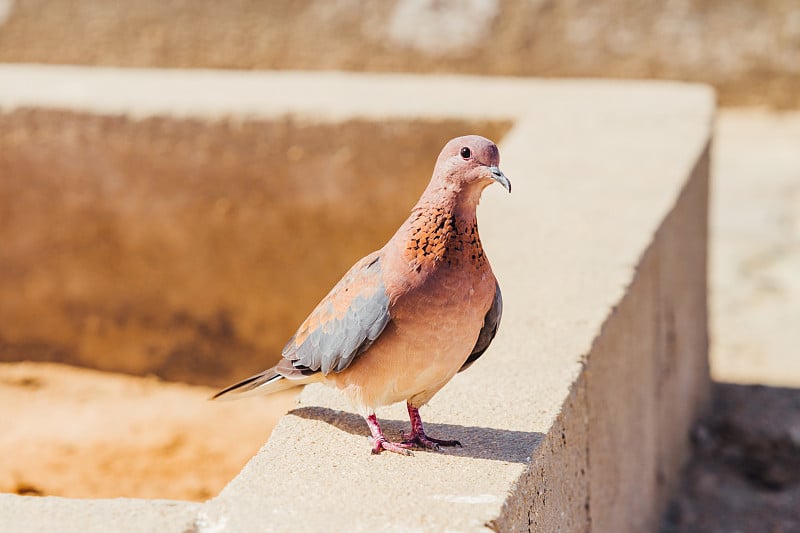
748, 49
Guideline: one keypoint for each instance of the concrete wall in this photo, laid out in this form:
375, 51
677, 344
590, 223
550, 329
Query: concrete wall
646, 372
577, 418
748, 49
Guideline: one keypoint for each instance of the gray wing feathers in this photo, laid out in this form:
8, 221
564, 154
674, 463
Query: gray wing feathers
333, 339
490, 324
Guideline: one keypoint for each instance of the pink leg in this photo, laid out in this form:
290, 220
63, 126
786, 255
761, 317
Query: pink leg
417, 437
380, 443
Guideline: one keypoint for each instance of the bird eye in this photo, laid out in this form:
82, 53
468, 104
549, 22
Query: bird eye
466, 153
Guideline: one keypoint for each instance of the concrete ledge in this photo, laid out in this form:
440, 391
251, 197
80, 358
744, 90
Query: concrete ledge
577, 418
20, 513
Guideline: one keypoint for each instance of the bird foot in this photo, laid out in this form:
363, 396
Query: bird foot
379, 442
418, 438
421, 440
415, 439
396, 447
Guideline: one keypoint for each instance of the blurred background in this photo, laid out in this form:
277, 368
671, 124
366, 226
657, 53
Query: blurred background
174, 268
747, 49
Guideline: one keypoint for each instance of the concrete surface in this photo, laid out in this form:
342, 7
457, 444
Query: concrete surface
20, 513
600, 251
748, 49
755, 279
650, 356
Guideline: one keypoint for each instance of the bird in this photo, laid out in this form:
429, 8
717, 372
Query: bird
405, 319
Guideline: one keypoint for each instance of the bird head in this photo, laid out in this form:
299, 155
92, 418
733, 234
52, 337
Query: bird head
470, 163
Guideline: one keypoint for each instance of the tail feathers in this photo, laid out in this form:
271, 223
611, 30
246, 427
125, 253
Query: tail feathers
262, 384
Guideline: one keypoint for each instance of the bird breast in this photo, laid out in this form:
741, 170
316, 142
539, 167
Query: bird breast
438, 305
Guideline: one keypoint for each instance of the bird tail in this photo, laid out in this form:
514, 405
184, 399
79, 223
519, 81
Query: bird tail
266, 382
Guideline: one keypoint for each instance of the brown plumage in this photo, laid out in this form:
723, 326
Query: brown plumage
406, 318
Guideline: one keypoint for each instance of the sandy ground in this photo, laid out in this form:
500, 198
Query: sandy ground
745, 473
82, 433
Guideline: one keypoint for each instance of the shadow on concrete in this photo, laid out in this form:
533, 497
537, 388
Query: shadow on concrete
744, 474
478, 442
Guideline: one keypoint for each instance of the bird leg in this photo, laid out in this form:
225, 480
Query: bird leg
379, 442
417, 437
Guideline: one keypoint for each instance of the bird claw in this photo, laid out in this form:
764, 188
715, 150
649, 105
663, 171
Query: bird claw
415, 439
421, 440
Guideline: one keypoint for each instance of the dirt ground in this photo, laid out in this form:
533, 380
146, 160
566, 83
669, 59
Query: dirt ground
81, 433
745, 472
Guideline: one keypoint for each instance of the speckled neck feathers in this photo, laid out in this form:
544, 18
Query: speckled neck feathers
441, 235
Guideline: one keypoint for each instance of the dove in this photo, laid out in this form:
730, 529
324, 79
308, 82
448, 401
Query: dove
405, 319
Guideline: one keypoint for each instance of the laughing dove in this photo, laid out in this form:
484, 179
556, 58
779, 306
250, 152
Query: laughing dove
406, 318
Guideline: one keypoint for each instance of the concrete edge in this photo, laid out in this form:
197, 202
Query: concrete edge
51, 513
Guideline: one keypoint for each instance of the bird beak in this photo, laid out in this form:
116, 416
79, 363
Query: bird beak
499, 177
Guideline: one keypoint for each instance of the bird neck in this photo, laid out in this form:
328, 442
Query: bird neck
459, 200
444, 233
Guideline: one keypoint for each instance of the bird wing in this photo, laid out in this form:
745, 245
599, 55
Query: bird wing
345, 323
490, 324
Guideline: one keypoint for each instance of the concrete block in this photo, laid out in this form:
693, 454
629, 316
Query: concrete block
648, 371
577, 417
